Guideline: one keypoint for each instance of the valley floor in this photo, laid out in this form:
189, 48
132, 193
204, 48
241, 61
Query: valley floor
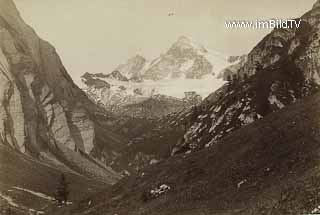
28, 186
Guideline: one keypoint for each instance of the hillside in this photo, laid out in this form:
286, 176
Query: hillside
257, 88
141, 140
281, 69
270, 166
28, 185
45, 118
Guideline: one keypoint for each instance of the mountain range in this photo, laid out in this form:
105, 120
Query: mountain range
250, 147
191, 132
185, 68
280, 70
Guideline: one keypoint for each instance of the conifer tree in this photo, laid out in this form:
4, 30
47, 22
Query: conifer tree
62, 191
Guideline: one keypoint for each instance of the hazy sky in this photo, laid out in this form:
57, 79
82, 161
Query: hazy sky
97, 35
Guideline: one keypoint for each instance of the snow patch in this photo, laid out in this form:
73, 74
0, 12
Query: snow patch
316, 210
154, 161
187, 65
188, 152
274, 101
241, 183
160, 190
41, 195
216, 123
246, 119
9, 200
210, 143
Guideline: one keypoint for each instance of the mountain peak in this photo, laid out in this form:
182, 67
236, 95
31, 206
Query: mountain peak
184, 39
132, 68
187, 41
184, 42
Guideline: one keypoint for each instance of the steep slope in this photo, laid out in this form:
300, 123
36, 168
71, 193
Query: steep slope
268, 167
156, 106
236, 63
44, 115
133, 68
152, 130
113, 94
282, 68
28, 186
147, 125
126, 98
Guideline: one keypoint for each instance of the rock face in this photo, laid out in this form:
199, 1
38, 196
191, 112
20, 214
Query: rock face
126, 97
157, 106
132, 69
113, 97
43, 113
237, 62
281, 69
185, 59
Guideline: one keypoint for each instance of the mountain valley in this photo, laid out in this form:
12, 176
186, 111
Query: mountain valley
190, 132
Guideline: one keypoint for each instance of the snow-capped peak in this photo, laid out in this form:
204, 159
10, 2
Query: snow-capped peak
187, 66
184, 42
133, 67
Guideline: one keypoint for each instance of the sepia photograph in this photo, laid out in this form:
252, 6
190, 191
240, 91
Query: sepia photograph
159, 107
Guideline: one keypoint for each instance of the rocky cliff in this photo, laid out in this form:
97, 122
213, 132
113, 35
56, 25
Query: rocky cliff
281, 69
230, 71
43, 113
133, 68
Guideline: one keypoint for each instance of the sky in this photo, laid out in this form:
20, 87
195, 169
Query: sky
97, 35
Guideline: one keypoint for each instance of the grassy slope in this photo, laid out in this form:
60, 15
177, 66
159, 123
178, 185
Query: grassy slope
276, 158
22, 171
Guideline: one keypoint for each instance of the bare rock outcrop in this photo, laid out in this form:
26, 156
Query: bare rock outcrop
43, 113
